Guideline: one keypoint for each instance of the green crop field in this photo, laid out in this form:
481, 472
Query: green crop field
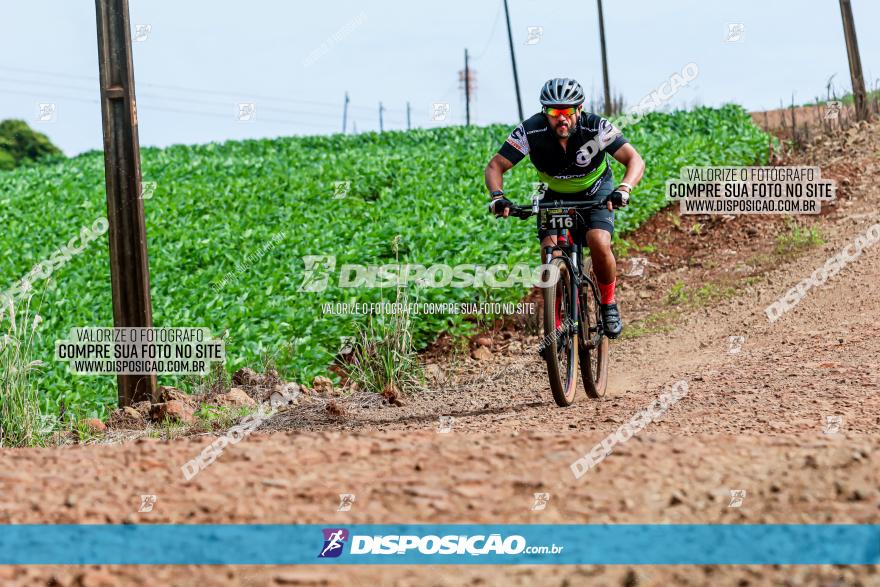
229, 225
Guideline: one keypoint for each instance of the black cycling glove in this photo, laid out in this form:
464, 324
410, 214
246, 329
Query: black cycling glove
618, 199
498, 205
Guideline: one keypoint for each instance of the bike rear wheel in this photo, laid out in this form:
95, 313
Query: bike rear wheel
560, 339
594, 358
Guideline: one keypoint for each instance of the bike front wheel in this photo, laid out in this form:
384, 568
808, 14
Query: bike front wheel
560, 335
594, 357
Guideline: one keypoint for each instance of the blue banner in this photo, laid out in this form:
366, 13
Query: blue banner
276, 544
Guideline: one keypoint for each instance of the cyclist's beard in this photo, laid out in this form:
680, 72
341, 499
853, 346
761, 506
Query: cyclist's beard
563, 131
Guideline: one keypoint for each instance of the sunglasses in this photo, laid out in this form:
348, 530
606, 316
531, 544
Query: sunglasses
554, 112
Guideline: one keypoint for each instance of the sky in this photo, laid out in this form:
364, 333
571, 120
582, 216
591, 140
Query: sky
196, 62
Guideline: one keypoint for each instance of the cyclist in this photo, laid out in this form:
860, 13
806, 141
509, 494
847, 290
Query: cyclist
567, 146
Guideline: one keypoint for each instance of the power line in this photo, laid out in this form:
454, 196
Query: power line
147, 104
37, 82
174, 110
491, 33
398, 116
43, 95
186, 89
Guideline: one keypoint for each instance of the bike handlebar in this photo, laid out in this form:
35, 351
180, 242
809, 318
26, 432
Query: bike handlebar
529, 210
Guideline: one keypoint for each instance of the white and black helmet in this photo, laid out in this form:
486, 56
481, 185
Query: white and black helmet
562, 91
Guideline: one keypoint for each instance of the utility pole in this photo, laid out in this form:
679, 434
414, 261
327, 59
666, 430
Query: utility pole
467, 90
408, 127
129, 265
513, 61
466, 77
605, 81
381, 109
345, 113
855, 61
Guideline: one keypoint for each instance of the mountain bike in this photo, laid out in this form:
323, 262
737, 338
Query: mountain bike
574, 333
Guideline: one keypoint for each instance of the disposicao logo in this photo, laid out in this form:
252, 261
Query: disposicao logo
334, 540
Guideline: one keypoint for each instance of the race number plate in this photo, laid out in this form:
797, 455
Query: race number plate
556, 219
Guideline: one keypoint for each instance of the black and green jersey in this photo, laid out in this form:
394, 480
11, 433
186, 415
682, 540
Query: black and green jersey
574, 169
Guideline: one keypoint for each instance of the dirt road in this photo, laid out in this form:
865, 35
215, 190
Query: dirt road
787, 411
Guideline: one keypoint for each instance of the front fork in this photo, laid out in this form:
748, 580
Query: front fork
589, 338
574, 310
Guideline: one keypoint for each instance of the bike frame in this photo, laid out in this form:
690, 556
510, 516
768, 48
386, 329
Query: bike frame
572, 255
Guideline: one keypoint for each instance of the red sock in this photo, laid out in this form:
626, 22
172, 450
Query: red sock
607, 292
